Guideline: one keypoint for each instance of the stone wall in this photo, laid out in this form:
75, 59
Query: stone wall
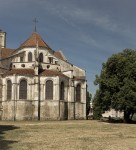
49, 110
80, 112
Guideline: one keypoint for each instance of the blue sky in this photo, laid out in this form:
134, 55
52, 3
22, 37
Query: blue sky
87, 31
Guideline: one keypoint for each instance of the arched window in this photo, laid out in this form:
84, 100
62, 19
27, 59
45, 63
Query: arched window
50, 60
9, 89
49, 89
23, 89
78, 93
21, 58
62, 91
29, 57
41, 57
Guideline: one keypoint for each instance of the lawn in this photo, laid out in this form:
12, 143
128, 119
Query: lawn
66, 135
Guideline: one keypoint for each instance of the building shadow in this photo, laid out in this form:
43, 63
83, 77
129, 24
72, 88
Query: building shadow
6, 144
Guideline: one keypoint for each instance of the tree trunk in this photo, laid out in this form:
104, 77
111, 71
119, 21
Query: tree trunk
127, 116
132, 115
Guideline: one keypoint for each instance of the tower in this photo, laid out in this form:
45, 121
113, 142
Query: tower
2, 39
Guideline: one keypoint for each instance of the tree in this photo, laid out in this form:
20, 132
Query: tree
117, 84
88, 100
97, 111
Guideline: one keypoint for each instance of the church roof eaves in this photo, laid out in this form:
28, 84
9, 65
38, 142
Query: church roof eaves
79, 78
52, 73
20, 72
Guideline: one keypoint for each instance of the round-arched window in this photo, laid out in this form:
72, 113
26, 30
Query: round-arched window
49, 89
29, 57
23, 89
62, 91
9, 90
78, 93
41, 57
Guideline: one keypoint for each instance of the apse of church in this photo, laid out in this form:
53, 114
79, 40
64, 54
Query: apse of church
38, 83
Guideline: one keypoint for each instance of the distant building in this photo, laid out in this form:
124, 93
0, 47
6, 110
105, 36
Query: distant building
113, 114
38, 83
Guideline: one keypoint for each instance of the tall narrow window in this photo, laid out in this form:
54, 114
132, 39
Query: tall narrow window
78, 93
29, 57
50, 60
23, 89
62, 91
49, 89
9, 89
41, 57
21, 58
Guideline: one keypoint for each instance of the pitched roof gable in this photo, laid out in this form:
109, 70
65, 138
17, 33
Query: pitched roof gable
32, 41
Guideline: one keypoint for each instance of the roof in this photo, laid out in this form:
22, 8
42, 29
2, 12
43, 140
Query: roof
20, 72
6, 52
31, 72
79, 78
59, 55
52, 73
32, 41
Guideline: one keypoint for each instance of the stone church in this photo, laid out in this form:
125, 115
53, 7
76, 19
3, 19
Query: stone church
38, 83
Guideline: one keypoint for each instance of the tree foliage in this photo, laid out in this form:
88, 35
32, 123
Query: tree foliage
88, 100
117, 84
97, 111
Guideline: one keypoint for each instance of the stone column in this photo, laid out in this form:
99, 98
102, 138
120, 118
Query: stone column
71, 93
35, 91
42, 91
56, 89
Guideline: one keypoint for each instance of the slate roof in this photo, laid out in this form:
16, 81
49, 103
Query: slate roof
32, 42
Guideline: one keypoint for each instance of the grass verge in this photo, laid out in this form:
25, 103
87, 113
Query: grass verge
66, 135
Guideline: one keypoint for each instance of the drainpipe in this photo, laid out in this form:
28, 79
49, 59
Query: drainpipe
38, 75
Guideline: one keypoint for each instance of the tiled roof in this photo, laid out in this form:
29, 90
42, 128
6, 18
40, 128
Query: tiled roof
6, 52
52, 73
31, 72
32, 41
59, 55
20, 72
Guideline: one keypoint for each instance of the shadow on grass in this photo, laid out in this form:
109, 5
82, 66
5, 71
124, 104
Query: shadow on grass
6, 144
115, 120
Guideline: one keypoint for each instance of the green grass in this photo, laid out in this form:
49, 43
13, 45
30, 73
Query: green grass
66, 135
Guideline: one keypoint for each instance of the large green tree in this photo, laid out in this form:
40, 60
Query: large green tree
117, 84
97, 111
